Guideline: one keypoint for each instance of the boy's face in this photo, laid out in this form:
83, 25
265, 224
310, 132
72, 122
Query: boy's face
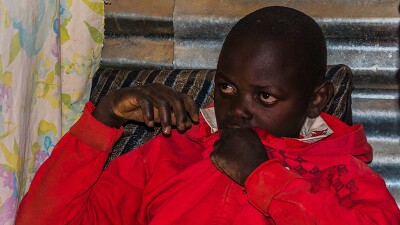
258, 85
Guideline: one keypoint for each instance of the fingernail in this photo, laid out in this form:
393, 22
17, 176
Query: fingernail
167, 130
151, 124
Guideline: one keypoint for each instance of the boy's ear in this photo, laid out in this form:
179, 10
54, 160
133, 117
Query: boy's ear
320, 98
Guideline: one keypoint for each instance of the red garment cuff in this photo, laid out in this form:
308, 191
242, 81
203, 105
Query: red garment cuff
266, 181
94, 133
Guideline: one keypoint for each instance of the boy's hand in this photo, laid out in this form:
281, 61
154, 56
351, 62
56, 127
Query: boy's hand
153, 103
238, 153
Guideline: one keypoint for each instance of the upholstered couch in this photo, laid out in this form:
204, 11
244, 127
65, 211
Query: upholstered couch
200, 85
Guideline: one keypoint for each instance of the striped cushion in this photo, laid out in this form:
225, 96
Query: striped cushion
199, 84
340, 104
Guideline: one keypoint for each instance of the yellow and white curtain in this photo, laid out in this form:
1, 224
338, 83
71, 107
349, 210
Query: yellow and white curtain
49, 50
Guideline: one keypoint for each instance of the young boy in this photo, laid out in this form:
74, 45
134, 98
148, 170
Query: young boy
275, 158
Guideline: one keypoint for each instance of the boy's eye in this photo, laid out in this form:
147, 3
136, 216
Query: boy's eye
267, 98
227, 89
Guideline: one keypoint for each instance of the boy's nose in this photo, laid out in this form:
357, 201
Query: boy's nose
240, 109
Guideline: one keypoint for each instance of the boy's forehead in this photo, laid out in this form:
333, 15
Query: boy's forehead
260, 54
263, 62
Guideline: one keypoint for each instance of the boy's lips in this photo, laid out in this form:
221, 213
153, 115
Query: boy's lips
236, 125
233, 126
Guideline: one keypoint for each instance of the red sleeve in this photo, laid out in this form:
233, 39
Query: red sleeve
71, 187
289, 199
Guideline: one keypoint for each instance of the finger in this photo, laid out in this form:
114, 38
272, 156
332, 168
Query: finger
173, 118
232, 132
147, 110
164, 113
188, 124
191, 108
214, 160
218, 162
161, 98
162, 110
179, 111
225, 133
217, 144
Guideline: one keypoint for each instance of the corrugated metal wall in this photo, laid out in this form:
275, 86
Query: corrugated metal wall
364, 35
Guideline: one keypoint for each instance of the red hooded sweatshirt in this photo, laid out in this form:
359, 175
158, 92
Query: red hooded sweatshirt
172, 181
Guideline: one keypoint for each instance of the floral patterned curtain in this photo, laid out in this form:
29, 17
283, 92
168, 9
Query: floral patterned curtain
49, 50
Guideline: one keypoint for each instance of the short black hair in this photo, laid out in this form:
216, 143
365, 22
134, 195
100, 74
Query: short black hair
286, 25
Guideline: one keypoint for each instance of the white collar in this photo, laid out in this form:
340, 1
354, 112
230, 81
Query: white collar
312, 130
